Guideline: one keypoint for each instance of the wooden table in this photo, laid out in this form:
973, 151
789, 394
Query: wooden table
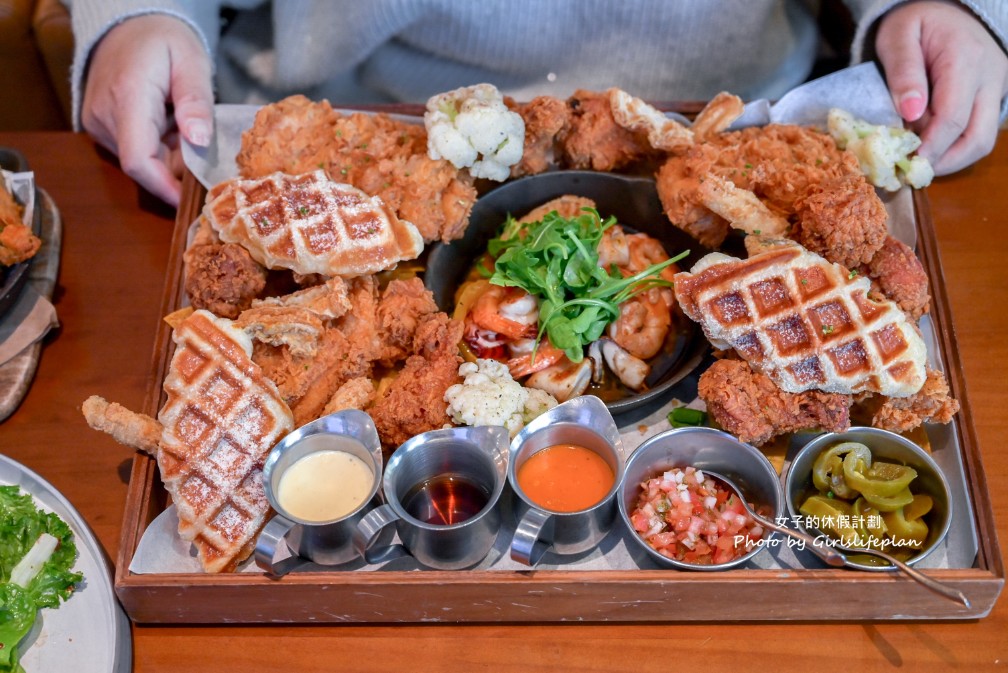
115, 251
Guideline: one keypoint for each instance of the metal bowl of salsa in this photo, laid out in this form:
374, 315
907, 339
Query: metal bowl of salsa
679, 451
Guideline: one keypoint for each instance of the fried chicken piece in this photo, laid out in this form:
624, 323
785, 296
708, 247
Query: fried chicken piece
307, 383
636, 115
779, 163
431, 194
293, 135
403, 305
10, 210
740, 208
719, 113
933, 403
295, 327
17, 241
545, 117
382, 156
594, 140
356, 393
678, 192
414, 401
348, 349
139, 431
842, 219
750, 406
388, 158
328, 300
900, 276
222, 278
360, 324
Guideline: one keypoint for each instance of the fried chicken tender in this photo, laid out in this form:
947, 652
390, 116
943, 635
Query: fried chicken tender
545, 118
222, 278
414, 401
139, 431
842, 219
751, 406
933, 403
380, 155
899, 275
594, 140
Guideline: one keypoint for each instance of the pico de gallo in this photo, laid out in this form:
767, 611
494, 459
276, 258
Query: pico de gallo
691, 517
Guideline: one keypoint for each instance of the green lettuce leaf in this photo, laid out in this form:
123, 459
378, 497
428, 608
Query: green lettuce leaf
21, 524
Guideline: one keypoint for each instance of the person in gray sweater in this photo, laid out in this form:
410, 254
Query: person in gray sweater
145, 71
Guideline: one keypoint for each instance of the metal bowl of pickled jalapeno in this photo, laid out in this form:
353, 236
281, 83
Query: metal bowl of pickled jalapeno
869, 488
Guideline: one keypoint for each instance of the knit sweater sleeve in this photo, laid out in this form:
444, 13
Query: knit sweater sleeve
993, 13
91, 19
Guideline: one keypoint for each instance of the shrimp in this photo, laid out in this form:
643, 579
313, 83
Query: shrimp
643, 322
508, 311
630, 370
644, 251
563, 380
527, 359
613, 248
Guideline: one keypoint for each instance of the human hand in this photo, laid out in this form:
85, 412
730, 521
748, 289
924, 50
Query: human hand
136, 69
942, 44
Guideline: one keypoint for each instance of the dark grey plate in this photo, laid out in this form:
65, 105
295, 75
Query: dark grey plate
634, 202
13, 278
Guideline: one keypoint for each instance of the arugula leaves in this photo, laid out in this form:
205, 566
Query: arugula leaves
556, 259
21, 524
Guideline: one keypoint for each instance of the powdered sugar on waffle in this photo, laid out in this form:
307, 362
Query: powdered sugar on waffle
804, 322
310, 224
220, 420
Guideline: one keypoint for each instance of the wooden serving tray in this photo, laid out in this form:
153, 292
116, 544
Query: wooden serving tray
552, 595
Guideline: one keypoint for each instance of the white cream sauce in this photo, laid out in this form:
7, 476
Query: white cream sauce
324, 485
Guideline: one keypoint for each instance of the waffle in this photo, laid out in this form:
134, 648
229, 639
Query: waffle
806, 323
309, 224
221, 418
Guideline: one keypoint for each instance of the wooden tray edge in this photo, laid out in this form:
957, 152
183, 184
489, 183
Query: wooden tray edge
632, 596
941, 315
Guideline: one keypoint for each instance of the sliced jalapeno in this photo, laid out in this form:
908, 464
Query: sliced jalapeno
879, 479
904, 532
828, 473
889, 503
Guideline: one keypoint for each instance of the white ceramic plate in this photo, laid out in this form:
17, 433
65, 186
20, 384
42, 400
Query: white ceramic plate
89, 632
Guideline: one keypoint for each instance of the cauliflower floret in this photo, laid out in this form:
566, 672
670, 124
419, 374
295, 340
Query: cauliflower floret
538, 402
883, 151
472, 128
489, 396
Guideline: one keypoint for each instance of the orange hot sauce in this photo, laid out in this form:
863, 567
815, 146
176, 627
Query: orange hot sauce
565, 478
